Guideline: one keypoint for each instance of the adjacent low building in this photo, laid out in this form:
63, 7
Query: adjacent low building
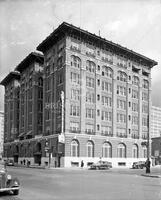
156, 150
1, 132
96, 102
155, 122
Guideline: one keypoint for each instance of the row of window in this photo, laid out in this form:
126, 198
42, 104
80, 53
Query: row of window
106, 150
106, 115
107, 101
107, 130
106, 87
106, 71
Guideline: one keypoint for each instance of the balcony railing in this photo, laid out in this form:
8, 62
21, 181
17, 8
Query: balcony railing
135, 136
90, 54
145, 137
107, 134
121, 65
90, 132
75, 131
74, 48
122, 135
107, 60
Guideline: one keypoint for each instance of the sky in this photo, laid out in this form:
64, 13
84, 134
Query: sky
134, 24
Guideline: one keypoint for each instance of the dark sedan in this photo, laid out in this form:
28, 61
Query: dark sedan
7, 182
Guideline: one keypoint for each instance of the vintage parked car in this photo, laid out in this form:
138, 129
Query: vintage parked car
7, 182
101, 165
10, 162
139, 165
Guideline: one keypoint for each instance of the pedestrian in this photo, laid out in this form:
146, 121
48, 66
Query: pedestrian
27, 163
39, 162
147, 166
82, 164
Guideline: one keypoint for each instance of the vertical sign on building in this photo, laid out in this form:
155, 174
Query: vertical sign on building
61, 135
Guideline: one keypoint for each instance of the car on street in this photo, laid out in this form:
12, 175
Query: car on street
9, 162
7, 182
101, 165
138, 165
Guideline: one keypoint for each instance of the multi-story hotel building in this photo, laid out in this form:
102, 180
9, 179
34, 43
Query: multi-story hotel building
1, 132
11, 106
155, 122
23, 107
96, 93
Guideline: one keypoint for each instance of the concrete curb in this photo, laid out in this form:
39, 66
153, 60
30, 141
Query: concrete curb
152, 176
31, 166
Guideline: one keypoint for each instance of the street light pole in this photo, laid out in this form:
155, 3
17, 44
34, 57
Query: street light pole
148, 142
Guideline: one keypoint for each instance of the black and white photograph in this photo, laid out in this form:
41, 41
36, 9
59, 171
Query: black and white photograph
80, 99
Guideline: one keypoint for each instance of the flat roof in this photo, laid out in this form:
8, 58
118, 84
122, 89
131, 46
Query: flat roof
69, 28
33, 56
12, 75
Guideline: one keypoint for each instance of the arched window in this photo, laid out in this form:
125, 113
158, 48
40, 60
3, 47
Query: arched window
74, 148
40, 82
145, 84
107, 72
135, 151
60, 62
90, 66
107, 150
121, 151
135, 81
90, 149
122, 76
75, 61
144, 148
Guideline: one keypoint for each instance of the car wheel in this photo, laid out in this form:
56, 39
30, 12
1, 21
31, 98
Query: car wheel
15, 192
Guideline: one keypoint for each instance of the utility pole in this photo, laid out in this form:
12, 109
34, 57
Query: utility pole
148, 140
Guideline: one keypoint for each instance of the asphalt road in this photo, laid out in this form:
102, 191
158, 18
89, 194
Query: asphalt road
82, 184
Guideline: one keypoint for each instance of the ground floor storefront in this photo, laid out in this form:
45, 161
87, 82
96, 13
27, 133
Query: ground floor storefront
48, 151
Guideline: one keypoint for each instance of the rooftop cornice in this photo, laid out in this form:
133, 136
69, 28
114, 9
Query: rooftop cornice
65, 27
33, 56
12, 75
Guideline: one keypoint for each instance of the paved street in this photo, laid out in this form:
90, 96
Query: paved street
68, 184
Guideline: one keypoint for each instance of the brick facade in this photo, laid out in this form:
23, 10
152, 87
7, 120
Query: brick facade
107, 103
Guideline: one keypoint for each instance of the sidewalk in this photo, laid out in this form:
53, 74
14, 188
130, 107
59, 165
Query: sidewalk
155, 172
31, 166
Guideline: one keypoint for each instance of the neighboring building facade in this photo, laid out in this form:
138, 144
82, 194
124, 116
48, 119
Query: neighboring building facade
155, 122
156, 150
23, 108
1, 132
104, 112
11, 106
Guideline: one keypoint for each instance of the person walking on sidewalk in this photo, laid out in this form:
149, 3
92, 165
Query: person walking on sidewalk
82, 164
147, 165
